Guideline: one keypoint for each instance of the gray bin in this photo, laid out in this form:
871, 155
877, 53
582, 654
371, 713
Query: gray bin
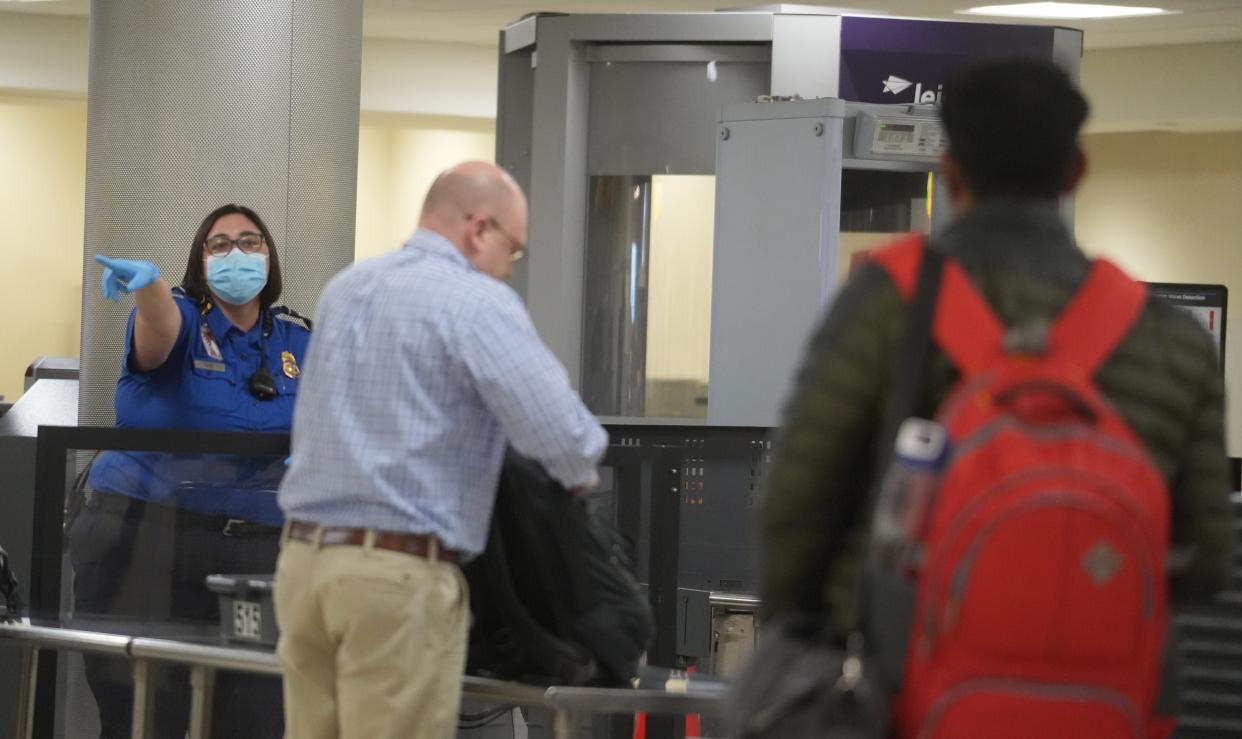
246, 612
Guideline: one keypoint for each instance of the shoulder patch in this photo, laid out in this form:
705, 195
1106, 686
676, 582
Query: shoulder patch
289, 316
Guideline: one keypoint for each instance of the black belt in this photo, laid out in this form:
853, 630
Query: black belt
119, 504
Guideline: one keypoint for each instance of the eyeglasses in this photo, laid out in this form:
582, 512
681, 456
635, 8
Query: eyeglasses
517, 249
221, 245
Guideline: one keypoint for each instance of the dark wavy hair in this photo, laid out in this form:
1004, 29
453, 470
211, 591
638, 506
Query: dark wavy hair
194, 283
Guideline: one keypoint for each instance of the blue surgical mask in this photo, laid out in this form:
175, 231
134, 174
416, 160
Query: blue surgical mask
237, 277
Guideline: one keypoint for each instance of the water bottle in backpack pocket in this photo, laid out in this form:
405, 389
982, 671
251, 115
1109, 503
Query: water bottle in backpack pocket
895, 554
906, 495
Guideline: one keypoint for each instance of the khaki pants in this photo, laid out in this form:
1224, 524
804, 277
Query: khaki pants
372, 642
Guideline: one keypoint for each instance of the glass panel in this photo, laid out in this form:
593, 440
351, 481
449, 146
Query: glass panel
615, 306
647, 320
877, 207
143, 532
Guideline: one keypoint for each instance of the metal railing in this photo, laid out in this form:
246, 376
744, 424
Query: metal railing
567, 704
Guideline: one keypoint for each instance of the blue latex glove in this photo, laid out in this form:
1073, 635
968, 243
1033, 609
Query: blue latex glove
125, 275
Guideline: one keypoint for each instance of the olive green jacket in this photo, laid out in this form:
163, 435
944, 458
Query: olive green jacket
1164, 379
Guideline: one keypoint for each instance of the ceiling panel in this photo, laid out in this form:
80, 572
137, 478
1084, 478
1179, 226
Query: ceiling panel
478, 21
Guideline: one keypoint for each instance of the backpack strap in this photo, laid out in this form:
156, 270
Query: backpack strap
1098, 317
1090, 327
901, 260
965, 327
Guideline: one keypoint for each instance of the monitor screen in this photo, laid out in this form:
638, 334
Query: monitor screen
1206, 303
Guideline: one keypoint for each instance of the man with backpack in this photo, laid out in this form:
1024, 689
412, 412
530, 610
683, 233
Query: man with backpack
1076, 449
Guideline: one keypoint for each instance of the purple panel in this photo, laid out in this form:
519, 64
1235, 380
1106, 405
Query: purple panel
895, 60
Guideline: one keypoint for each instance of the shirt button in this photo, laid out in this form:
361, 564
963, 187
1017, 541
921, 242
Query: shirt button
243, 356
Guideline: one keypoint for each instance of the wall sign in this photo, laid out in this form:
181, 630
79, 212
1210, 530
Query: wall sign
898, 60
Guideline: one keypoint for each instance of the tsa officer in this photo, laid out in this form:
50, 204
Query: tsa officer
214, 354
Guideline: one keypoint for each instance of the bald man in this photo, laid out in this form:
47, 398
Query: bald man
423, 367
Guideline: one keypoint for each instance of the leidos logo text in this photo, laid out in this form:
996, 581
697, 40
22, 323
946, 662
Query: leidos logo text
895, 85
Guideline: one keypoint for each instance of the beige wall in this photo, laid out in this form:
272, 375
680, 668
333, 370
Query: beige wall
42, 198
1184, 88
43, 192
49, 54
679, 277
398, 157
1166, 208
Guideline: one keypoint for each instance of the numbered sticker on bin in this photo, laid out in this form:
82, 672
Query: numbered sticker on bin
247, 620
246, 613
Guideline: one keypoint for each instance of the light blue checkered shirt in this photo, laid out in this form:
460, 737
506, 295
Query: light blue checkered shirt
419, 371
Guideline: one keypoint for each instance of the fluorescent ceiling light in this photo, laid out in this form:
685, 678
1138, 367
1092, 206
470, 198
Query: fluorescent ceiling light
1065, 11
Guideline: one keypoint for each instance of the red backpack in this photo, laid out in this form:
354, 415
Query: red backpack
1040, 594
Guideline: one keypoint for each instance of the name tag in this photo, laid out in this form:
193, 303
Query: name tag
209, 366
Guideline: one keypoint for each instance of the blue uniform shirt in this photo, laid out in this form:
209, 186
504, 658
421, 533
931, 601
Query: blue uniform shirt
205, 385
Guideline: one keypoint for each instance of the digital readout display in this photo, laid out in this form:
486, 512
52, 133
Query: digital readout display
895, 133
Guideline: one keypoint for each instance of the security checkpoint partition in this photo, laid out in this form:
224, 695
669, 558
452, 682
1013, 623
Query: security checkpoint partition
639, 277
90, 575
803, 186
190, 472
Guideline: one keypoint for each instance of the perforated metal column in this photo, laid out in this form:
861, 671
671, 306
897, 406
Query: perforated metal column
197, 103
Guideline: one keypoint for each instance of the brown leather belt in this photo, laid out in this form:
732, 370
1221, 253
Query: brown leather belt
419, 545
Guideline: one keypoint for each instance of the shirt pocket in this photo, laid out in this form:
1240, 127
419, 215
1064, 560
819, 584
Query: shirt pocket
213, 388
286, 385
